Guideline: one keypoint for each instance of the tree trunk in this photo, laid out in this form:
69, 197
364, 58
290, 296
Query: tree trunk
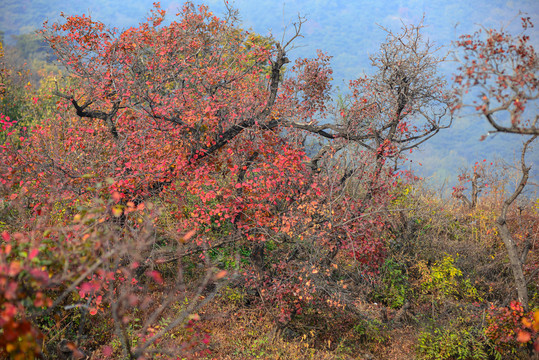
516, 259
516, 263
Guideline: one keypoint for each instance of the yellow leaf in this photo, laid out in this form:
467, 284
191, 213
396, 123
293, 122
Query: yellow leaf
117, 211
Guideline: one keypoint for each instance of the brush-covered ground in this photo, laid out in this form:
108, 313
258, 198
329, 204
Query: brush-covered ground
444, 291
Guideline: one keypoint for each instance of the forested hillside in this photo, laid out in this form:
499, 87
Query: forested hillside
186, 187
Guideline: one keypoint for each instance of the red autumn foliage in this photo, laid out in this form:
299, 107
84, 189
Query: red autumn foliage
202, 117
500, 70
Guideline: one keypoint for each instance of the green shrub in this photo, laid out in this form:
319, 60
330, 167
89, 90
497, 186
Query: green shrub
372, 331
394, 288
227, 257
455, 344
444, 281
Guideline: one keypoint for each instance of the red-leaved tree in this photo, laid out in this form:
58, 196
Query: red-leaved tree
201, 117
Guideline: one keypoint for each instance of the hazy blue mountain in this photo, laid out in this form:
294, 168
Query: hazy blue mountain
349, 31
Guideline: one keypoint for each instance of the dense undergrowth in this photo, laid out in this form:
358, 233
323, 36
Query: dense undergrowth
444, 291
131, 229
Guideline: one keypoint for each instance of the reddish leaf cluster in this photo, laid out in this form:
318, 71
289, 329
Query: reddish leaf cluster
509, 326
500, 70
